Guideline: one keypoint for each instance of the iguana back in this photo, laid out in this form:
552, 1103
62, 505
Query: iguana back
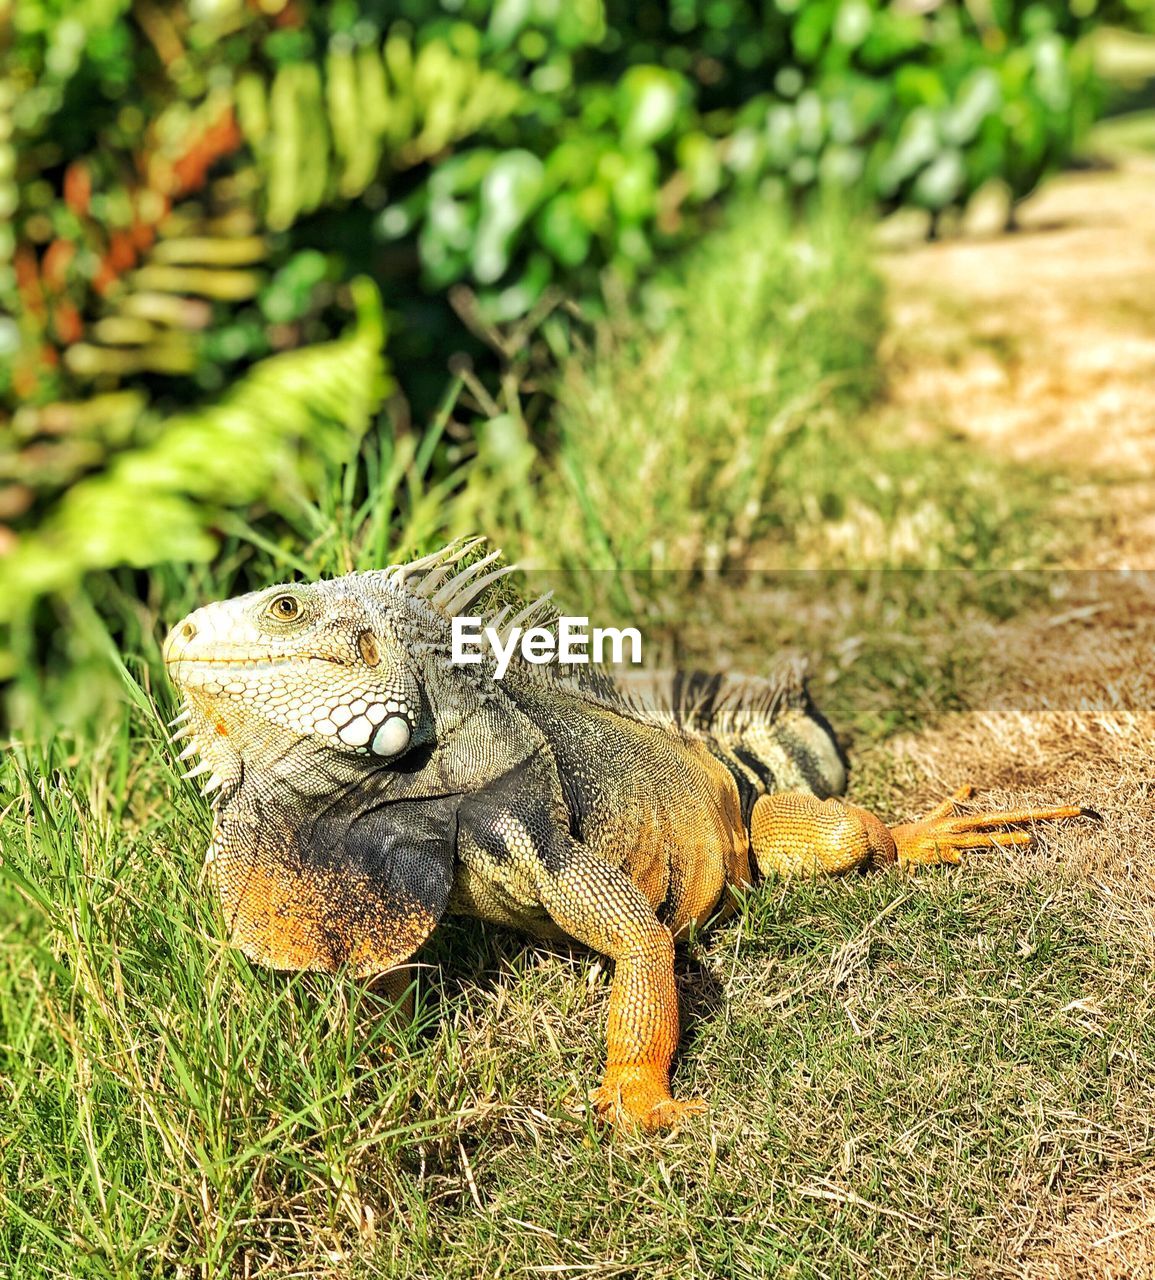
766, 728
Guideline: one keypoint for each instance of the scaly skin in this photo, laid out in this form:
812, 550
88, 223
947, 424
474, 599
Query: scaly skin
364, 785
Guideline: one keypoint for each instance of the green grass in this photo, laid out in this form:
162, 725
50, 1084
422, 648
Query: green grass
732, 422
891, 1064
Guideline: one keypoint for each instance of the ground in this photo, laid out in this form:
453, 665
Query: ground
1040, 347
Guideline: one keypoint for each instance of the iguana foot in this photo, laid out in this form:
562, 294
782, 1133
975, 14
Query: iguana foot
397, 987
942, 835
638, 1097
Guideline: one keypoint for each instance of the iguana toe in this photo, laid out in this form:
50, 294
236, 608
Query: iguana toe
943, 835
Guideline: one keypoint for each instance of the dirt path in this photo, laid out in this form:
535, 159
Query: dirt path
1040, 347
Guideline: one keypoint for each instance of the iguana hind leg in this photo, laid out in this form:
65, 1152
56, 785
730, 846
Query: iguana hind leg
793, 833
598, 904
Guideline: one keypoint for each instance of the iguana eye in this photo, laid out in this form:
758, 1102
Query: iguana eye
284, 608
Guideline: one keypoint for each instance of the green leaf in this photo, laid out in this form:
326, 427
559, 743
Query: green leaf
916, 147
510, 192
562, 230
698, 160
978, 98
649, 99
942, 182
633, 181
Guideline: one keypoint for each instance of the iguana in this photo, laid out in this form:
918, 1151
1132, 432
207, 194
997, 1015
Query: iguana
364, 785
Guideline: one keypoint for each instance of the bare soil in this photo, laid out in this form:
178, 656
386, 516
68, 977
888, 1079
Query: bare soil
1039, 346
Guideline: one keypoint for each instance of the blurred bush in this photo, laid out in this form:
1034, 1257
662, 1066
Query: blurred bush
200, 202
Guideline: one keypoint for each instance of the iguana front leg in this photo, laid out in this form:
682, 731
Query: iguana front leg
601, 906
794, 833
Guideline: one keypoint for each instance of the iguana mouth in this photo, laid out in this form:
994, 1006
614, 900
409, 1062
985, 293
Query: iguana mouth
233, 672
268, 661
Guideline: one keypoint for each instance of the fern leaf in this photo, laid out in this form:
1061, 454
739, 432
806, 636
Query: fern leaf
280, 431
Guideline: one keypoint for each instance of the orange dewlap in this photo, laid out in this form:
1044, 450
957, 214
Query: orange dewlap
290, 916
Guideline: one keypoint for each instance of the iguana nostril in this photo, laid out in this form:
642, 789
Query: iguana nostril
188, 631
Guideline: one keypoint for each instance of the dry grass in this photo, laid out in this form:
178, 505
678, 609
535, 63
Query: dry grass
1072, 712
1040, 347
1108, 1236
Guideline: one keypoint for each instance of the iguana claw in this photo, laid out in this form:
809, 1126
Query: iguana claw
942, 835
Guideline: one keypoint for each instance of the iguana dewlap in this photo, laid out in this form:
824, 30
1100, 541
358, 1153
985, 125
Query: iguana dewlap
364, 785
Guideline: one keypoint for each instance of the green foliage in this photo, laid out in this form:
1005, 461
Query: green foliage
654, 116
284, 428
512, 146
187, 192
320, 134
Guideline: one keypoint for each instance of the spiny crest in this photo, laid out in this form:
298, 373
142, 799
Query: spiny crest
734, 705
727, 707
448, 587
182, 729
642, 696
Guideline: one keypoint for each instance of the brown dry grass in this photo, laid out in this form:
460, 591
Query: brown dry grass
1111, 1236
1040, 347
1077, 717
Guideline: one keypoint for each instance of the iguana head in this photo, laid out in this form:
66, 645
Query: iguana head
353, 669
339, 741
322, 666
